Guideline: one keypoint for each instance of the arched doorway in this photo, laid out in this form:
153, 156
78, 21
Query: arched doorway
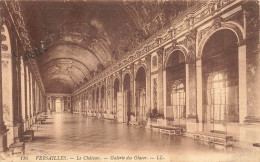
175, 82
127, 98
58, 105
220, 81
116, 90
140, 91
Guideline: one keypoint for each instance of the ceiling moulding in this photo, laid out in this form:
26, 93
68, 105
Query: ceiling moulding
190, 19
15, 13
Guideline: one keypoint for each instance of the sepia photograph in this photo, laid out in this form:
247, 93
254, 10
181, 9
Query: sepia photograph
130, 80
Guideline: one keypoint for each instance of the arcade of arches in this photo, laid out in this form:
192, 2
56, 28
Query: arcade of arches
197, 68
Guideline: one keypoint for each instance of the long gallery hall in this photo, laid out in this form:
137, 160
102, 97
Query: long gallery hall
130, 80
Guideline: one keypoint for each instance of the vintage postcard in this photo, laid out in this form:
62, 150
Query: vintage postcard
129, 80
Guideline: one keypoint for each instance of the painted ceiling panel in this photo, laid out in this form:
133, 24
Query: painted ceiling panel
82, 38
70, 52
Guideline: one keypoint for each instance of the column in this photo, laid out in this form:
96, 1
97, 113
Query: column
110, 103
84, 101
35, 97
164, 94
79, 103
112, 93
27, 99
242, 83
199, 93
27, 95
2, 126
194, 79
160, 83
31, 95
134, 93
53, 104
187, 90
7, 94
23, 94
38, 99
31, 98
87, 101
99, 99
105, 97
132, 89
94, 99
162, 86
148, 84
258, 69
34, 100
120, 81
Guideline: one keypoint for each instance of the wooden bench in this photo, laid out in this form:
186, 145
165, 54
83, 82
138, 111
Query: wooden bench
35, 126
17, 148
168, 130
28, 135
133, 123
41, 120
216, 138
44, 116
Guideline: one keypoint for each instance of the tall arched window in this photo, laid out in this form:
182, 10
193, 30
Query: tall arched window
220, 81
175, 86
140, 90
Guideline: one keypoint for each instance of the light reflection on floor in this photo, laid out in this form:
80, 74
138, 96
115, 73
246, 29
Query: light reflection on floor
73, 135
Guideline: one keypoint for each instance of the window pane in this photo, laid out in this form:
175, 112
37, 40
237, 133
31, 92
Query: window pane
223, 112
179, 100
220, 77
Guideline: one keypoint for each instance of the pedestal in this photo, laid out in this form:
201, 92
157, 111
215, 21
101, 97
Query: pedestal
250, 130
10, 135
161, 122
3, 139
191, 125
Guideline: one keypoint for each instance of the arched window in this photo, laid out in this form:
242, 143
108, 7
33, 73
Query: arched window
220, 81
175, 86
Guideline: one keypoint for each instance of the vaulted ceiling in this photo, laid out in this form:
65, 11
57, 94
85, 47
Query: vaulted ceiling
82, 38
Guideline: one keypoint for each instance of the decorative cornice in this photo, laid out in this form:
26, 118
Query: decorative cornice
15, 13
198, 15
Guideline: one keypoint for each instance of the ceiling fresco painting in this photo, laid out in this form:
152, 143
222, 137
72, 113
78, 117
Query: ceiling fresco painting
83, 38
